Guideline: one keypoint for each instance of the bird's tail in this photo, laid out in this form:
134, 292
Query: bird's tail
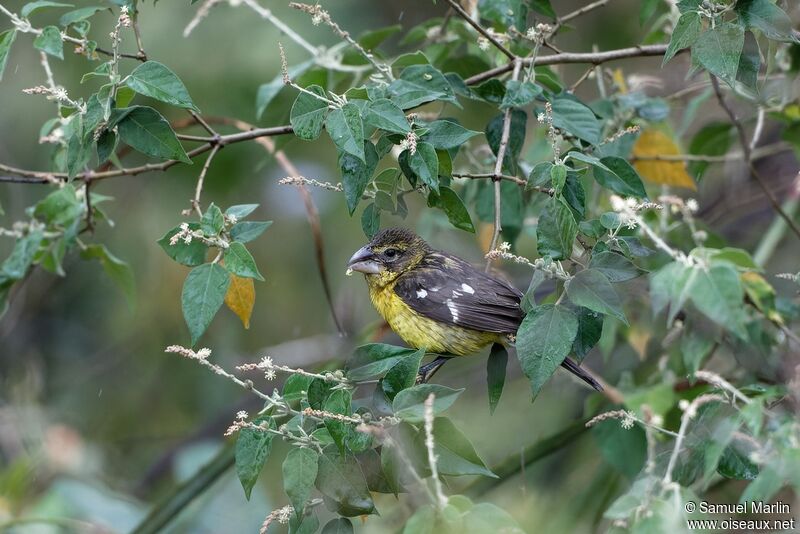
581, 373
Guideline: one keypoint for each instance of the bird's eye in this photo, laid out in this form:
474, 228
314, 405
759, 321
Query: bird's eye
391, 252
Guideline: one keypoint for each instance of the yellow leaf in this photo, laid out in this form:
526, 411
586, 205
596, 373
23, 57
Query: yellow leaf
654, 142
240, 298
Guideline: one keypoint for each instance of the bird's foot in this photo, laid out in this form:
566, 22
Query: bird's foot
427, 371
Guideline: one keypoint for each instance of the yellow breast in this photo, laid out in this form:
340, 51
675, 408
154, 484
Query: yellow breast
423, 333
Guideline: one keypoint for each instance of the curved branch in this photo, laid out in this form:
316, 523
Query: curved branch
42, 177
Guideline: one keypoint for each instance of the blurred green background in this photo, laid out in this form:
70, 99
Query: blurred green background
97, 423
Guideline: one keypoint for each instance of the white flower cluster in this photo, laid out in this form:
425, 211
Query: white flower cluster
201, 354
301, 180
409, 143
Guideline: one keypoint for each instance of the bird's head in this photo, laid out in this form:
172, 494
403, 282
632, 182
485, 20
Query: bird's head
390, 253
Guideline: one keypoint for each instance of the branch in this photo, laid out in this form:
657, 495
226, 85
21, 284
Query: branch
43, 177
748, 157
480, 29
594, 58
516, 462
498, 169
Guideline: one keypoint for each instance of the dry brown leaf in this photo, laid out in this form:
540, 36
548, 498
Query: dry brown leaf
240, 298
654, 142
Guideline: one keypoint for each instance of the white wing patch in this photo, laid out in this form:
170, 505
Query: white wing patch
421, 293
467, 289
453, 309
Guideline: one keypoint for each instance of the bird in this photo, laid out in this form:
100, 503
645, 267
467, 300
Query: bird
439, 302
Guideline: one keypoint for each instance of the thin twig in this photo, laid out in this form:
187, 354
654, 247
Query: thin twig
207, 127
199, 189
498, 169
748, 157
441, 500
480, 29
266, 14
138, 36
581, 11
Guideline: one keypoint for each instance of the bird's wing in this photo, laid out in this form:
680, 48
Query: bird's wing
449, 290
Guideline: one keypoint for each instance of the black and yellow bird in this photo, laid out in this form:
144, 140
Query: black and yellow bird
439, 302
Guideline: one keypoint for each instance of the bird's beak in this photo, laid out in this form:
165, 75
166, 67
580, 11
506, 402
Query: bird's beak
363, 261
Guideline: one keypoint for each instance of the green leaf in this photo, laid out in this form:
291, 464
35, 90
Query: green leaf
356, 174
446, 134
734, 464
516, 138
240, 262
268, 91
61, 207
240, 211
496, 374
621, 178
616, 267
116, 269
558, 177
540, 174
77, 15
425, 164
386, 115
371, 220
717, 293
686, 32
155, 80
246, 231
718, 50
340, 525
455, 455
6, 40
19, 261
346, 130
543, 341
695, 347
340, 478
543, 7
591, 289
308, 113
419, 84
49, 41
519, 94
765, 16
106, 144
145, 130
375, 359
30, 7
403, 375
203, 294
749, 62
192, 254
212, 221
556, 230
624, 449
409, 403
307, 524
449, 201
296, 387
713, 139
338, 402
590, 329
252, 450
576, 118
